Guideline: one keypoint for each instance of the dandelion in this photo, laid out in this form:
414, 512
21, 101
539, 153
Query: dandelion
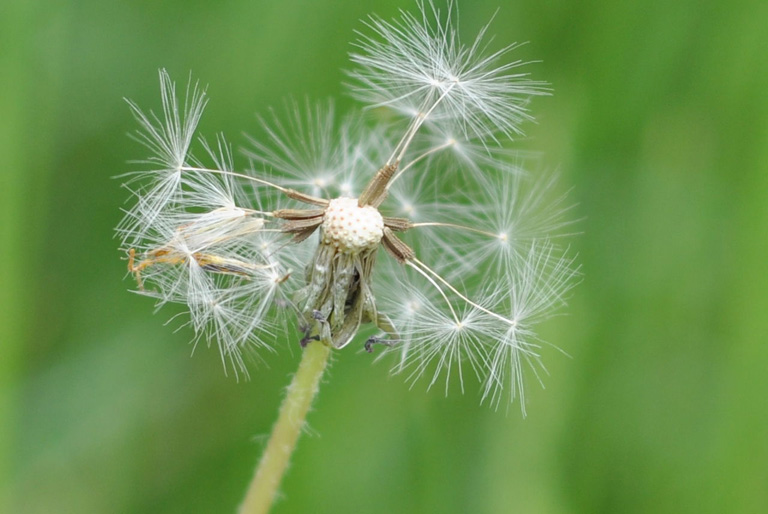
419, 233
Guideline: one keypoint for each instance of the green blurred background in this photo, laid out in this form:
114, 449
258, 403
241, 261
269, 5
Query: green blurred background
659, 124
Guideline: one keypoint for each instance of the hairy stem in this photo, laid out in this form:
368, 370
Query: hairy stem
301, 392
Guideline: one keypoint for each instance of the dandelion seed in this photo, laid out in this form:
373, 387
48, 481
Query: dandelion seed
417, 225
417, 64
168, 138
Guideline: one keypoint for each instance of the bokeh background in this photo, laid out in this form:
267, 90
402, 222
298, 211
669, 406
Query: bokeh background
659, 125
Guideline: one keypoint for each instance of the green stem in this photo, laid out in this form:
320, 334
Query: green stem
301, 392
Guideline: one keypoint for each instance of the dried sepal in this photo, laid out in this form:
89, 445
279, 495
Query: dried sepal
376, 191
396, 247
298, 214
303, 197
397, 224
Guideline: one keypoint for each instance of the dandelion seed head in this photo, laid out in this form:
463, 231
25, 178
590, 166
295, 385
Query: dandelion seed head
410, 217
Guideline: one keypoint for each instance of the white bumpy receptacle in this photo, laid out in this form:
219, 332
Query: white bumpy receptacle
351, 228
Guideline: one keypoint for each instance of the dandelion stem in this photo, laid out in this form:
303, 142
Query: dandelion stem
301, 392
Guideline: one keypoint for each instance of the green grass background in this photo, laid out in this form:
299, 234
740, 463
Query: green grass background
659, 123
